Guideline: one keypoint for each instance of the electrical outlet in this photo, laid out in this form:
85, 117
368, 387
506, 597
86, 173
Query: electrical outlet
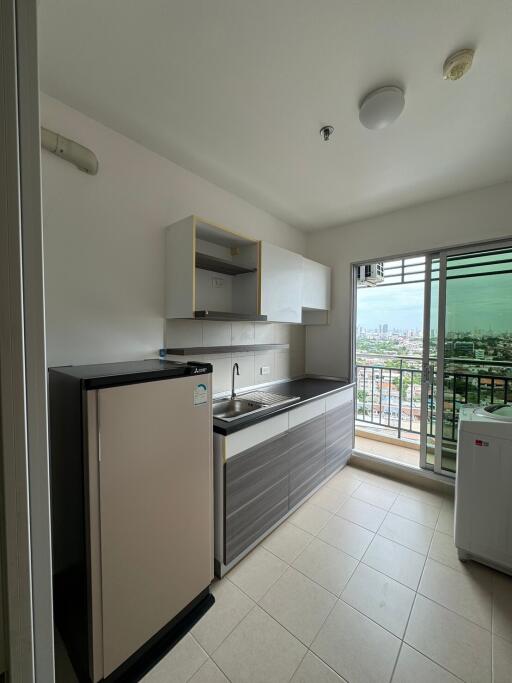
264, 370
217, 282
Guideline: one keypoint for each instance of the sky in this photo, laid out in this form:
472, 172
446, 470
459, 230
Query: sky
480, 303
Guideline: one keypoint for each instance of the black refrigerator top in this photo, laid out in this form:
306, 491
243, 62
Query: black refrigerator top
130, 372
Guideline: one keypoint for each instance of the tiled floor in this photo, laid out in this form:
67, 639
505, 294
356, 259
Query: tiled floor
389, 451
363, 585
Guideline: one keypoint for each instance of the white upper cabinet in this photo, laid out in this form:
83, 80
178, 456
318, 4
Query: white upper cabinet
316, 292
281, 284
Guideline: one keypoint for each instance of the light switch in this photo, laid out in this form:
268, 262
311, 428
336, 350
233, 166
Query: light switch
264, 370
217, 282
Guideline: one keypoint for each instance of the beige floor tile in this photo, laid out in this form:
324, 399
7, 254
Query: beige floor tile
501, 660
375, 495
209, 673
287, 542
413, 666
313, 670
502, 609
231, 606
362, 513
357, 648
259, 650
417, 511
424, 496
298, 604
329, 498
382, 599
443, 550
344, 483
468, 594
354, 472
395, 560
446, 516
180, 664
310, 518
453, 642
383, 482
257, 572
327, 565
414, 536
347, 536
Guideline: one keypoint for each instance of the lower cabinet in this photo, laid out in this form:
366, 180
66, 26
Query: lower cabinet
256, 494
306, 444
259, 486
339, 432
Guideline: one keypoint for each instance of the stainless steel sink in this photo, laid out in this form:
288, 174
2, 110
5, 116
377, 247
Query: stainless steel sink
229, 409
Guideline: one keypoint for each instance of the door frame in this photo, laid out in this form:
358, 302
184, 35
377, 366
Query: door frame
26, 540
444, 255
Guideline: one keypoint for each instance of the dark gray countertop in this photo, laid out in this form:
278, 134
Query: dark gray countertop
308, 389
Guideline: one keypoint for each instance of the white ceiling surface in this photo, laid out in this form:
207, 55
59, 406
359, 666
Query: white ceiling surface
236, 91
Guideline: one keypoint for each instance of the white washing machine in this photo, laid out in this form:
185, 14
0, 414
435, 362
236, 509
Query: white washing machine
483, 492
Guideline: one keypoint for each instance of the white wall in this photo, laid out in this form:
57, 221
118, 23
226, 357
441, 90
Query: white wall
471, 217
104, 238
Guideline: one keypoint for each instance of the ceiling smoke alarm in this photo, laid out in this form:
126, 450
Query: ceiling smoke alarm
458, 64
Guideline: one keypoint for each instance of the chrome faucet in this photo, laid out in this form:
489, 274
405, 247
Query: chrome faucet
235, 367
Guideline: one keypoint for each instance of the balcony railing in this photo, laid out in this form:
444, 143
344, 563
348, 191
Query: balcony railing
390, 397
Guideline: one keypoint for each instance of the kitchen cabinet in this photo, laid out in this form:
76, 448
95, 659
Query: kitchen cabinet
339, 432
256, 490
211, 272
306, 445
316, 290
281, 284
264, 471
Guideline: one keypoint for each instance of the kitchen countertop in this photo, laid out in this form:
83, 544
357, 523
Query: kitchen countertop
308, 389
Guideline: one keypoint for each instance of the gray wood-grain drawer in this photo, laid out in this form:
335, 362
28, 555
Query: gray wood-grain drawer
256, 493
339, 424
306, 458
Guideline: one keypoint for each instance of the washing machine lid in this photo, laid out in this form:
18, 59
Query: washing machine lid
496, 411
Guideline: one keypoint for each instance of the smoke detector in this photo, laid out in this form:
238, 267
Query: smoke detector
458, 64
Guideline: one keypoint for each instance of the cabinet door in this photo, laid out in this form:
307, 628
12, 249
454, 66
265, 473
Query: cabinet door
256, 494
307, 458
316, 292
339, 426
281, 284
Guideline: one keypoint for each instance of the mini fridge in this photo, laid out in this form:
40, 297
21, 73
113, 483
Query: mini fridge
132, 510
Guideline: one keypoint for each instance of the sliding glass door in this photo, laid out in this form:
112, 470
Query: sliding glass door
467, 351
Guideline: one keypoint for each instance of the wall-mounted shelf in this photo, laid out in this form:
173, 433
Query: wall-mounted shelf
206, 350
220, 265
227, 316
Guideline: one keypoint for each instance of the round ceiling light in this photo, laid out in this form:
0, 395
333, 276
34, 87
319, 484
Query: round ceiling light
381, 107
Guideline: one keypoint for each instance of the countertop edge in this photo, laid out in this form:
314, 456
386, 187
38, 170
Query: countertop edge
233, 427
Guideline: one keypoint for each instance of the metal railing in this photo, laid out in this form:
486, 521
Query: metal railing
390, 397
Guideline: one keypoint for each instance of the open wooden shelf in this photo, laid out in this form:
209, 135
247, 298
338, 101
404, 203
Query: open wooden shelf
220, 265
205, 350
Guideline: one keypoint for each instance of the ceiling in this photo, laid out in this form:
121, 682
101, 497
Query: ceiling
237, 90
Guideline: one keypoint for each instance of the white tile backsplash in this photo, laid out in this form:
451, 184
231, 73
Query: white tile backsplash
282, 364
242, 333
264, 333
246, 364
180, 333
216, 333
264, 360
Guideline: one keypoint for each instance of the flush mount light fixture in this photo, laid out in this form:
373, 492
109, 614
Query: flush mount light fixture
458, 64
381, 107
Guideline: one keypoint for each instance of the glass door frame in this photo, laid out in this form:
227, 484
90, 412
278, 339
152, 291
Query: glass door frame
443, 257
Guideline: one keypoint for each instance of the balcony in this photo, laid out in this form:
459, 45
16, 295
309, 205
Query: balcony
388, 415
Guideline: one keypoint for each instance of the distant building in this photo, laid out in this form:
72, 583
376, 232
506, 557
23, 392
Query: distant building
464, 349
385, 328
480, 354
